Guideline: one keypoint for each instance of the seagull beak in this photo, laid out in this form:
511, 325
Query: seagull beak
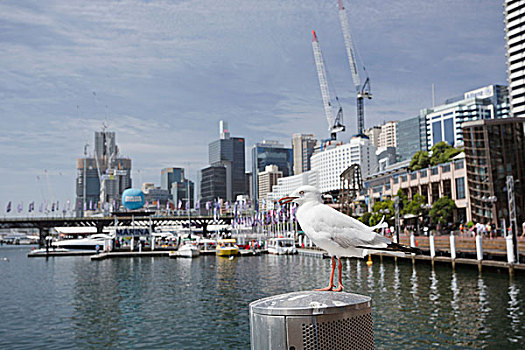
285, 200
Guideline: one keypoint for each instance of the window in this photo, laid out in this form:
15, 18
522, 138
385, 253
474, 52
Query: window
460, 188
459, 164
434, 170
445, 168
423, 173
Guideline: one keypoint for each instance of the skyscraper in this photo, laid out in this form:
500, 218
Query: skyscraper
102, 178
213, 183
170, 175
267, 179
411, 137
270, 153
514, 33
303, 146
229, 153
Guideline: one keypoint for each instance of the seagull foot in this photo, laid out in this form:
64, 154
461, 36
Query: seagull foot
329, 288
339, 288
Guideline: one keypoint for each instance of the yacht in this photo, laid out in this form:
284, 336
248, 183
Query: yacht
281, 246
87, 243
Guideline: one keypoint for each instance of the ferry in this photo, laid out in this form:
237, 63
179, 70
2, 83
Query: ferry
227, 247
88, 243
281, 246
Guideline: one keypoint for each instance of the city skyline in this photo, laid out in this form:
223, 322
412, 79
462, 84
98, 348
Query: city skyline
163, 75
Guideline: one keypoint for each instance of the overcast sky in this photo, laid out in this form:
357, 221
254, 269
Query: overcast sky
168, 71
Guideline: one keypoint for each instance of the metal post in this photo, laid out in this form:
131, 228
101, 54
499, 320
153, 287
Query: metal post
396, 207
512, 216
452, 246
432, 245
479, 247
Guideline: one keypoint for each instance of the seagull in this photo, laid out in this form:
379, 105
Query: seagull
340, 235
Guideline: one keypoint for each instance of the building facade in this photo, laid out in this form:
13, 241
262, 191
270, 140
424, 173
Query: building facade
103, 177
230, 153
170, 175
270, 153
388, 135
514, 34
287, 185
494, 150
411, 137
303, 146
447, 179
213, 183
330, 163
373, 134
268, 179
444, 122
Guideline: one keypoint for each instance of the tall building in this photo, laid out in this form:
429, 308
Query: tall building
229, 152
170, 175
411, 137
103, 177
174, 181
514, 33
494, 150
267, 179
213, 183
329, 164
388, 135
373, 134
268, 153
303, 146
444, 121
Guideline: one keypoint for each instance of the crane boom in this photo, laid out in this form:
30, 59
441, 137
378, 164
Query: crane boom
334, 123
362, 91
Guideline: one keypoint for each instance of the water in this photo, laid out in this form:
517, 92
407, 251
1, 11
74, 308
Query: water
146, 303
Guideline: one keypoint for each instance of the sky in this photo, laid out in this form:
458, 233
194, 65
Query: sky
163, 73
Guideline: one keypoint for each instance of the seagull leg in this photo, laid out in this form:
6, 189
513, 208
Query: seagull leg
340, 286
331, 285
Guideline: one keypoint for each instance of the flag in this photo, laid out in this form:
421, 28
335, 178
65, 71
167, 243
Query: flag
179, 205
187, 205
53, 206
8, 209
41, 208
20, 207
208, 205
198, 205
158, 204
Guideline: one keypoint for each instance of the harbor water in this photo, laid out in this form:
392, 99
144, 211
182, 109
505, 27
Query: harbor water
202, 303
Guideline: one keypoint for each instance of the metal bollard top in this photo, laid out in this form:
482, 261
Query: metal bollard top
308, 303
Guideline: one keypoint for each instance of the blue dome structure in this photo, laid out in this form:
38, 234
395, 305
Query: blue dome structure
133, 199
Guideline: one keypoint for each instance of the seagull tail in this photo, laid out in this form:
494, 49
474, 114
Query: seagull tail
394, 249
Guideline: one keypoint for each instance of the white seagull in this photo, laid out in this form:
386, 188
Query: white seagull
340, 235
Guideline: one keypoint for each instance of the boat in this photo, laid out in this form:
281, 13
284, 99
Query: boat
207, 246
49, 251
88, 243
226, 247
188, 251
281, 246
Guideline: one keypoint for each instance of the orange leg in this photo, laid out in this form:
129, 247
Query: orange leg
340, 268
331, 284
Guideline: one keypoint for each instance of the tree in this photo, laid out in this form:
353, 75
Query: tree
442, 211
365, 218
442, 152
416, 205
420, 160
380, 209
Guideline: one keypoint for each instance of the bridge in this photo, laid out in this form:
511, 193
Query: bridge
144, 219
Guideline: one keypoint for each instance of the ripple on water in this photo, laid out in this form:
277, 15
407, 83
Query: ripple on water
160, 303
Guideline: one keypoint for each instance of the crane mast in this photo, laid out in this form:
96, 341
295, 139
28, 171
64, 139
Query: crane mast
362, 91
334, 123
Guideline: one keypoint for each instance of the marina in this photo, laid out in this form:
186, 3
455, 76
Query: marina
203, 303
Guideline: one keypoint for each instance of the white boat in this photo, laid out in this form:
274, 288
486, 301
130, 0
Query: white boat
281, 246
44, 251
88, 243
188, 251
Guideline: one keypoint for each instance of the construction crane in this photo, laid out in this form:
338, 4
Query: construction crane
335, 123
362, 91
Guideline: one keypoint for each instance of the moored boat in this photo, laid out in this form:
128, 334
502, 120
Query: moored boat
226, 247
281, 246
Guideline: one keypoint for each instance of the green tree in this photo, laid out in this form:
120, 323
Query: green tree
365, 218
420, 160
403, 201
416, 205
442, 152
380, 209
442, 211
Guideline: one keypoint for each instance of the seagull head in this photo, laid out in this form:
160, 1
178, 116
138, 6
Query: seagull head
303, 195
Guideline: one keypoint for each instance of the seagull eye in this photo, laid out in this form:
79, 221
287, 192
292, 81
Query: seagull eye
301, 193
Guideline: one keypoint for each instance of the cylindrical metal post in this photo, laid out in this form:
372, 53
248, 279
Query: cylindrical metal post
452, 246
432, 246
479, 247
312, 320
510, 249
412, 240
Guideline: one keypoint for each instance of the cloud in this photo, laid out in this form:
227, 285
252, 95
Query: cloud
165, 72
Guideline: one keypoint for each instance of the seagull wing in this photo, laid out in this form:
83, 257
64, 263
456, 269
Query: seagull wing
344, 230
